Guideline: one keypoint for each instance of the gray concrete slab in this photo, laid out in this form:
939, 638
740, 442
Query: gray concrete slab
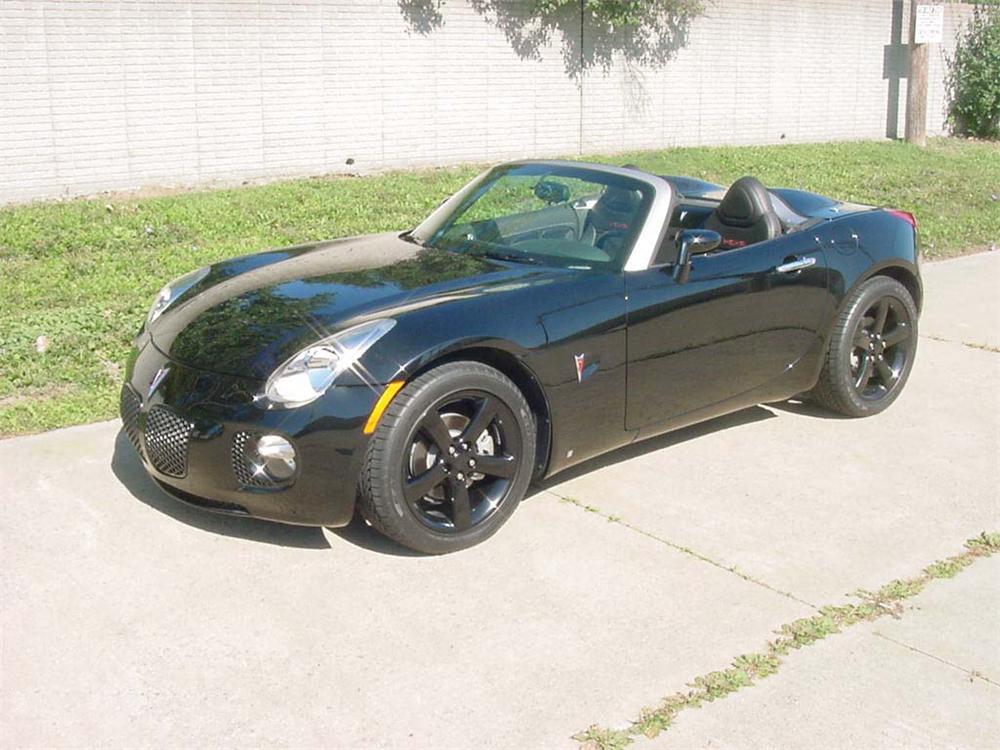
857, 689
129, 620
956, 621
963, 300
819, 506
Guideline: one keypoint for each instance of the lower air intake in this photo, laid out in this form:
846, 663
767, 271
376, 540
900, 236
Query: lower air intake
129, 410
246, 473
167, 439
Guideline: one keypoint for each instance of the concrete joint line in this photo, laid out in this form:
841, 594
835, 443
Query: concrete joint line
981, 347
680, 548
974, 674
747, 669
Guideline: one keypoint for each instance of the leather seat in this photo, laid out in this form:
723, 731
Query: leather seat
745, 215
614, 210
610, 219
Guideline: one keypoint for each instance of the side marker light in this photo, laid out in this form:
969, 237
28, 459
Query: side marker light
382, 404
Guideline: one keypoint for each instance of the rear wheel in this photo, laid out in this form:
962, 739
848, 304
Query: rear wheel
872, 350
450, 460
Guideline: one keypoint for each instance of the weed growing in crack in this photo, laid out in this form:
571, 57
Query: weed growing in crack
745, 670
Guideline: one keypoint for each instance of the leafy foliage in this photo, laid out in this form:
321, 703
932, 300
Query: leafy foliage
621, 13
591, 33
974, 78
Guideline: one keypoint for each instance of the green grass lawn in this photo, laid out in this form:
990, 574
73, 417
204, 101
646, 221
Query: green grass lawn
83, 273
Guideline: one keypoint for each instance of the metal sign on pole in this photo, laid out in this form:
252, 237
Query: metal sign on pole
926, 27
930, 24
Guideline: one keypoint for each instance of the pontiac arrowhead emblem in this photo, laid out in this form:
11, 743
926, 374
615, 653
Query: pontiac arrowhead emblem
157, 379
581, 365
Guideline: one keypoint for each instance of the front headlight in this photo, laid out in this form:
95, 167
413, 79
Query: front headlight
166, 296
310, 373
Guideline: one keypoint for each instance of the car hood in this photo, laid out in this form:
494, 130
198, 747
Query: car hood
248, 315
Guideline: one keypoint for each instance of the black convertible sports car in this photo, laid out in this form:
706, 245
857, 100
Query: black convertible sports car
546, 313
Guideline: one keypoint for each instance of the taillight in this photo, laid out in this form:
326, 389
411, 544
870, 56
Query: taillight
905, 216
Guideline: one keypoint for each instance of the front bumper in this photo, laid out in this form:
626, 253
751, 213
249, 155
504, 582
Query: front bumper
189, 431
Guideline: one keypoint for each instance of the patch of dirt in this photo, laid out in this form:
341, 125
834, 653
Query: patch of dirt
36, 394
974, 250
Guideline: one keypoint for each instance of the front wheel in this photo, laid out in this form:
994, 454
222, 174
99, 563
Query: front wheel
872, 349
450, 460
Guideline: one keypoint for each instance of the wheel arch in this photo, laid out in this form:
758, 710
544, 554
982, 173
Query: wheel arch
835, 387
522, 376
905, 276
896, 269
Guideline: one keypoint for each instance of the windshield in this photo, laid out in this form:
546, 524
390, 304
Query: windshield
551, 215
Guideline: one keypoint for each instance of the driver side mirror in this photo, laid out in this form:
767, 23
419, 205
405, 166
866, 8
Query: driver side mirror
693, 242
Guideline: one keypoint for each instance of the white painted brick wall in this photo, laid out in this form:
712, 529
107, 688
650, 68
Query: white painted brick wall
121, 94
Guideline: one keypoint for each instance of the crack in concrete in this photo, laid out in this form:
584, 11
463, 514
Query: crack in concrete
681, 548
974, 674
746, 670
981, 347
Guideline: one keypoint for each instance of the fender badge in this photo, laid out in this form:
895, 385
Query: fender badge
581, 365
158, 378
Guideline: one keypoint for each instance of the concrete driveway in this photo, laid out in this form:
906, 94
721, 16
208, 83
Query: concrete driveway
129, 620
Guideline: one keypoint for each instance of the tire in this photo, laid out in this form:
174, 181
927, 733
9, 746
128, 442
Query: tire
872, 349
425, 440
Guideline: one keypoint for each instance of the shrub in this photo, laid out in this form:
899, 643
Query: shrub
974, 76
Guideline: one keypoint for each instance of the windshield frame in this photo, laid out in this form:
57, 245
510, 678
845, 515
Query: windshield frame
645, 241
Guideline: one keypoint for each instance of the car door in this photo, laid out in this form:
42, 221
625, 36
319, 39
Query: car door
743, 317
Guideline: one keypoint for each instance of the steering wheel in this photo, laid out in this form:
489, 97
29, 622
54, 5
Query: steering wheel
610, 242
486, 231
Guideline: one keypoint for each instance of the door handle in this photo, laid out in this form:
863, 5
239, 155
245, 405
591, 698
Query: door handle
796, 265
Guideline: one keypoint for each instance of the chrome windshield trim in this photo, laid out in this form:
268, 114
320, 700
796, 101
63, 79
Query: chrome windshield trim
654, 230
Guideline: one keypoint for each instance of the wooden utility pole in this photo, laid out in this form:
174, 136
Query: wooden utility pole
916, 87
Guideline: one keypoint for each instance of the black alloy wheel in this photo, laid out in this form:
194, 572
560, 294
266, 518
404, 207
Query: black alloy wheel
463, 455
450, 460
872, 348
882, 343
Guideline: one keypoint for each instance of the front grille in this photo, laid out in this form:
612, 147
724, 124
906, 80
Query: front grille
243, 469
129, 408
167, 438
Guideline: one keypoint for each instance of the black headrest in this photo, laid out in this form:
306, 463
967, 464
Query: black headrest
615, 209
619, 200
746, 202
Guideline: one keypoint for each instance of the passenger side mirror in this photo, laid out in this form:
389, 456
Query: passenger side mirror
693, 242
551, 191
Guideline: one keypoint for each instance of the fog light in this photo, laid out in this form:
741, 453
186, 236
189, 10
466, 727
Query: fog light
275, 457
